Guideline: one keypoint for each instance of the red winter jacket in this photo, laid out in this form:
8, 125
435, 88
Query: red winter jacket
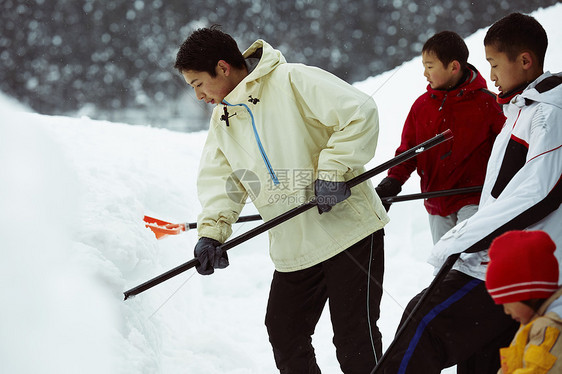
475, 118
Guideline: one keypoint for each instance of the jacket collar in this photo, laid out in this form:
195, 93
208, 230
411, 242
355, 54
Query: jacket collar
267, 59
471, 81
545, 89
549, 303
506, 97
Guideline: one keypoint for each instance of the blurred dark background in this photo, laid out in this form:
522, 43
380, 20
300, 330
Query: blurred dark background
113, 59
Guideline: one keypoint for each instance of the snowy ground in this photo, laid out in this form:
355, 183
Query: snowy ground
72, 196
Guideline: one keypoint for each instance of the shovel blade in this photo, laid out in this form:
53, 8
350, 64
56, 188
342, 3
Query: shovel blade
159, 228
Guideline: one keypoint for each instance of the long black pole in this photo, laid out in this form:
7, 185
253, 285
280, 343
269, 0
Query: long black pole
388, 199
249, 218
412, 152
429, 195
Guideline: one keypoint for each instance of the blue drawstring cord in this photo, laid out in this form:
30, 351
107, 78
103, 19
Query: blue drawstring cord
260, 146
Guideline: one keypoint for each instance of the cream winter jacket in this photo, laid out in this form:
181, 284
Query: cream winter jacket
305, 123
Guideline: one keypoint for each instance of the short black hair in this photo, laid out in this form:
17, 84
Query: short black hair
447, 46
203, 49
517, 33
534, 304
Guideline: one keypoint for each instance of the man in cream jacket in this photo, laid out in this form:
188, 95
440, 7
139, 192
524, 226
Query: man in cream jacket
283, 134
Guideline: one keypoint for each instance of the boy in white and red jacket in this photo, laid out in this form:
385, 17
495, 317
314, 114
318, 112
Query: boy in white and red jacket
456, 99
522, 276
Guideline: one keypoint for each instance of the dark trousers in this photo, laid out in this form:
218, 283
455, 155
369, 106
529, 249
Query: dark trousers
352, 282
460, 325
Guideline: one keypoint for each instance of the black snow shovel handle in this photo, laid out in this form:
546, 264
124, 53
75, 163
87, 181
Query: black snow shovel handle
412, 152
387, 199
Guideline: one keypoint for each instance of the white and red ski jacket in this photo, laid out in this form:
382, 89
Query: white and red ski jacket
523, 187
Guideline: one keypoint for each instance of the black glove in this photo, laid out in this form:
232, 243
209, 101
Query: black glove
329, 193
210, 256
388, 187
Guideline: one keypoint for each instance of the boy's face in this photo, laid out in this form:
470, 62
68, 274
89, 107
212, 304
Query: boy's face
506, 75
520, 312
210, 89
440, 77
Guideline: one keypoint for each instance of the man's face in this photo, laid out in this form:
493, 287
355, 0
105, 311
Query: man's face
506, 75
210, 89
440, 77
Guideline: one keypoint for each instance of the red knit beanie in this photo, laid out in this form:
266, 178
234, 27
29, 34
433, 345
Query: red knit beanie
522, 267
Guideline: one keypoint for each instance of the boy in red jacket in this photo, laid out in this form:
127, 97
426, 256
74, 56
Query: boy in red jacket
456, 99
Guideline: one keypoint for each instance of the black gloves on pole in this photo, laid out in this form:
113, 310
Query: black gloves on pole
210, 256
329, 193
388, 187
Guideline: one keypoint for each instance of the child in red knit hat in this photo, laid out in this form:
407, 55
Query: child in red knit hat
523, 276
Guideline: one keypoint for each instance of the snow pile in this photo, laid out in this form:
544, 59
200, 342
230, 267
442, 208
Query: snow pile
72, 195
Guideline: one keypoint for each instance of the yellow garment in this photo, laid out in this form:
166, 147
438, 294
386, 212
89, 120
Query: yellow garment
535, 348
537, 359
311, 124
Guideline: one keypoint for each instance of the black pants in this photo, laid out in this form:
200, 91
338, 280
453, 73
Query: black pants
460, 325
296, 301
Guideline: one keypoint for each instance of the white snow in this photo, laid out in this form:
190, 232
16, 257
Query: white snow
72, 196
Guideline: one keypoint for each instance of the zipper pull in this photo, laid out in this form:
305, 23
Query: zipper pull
443, 102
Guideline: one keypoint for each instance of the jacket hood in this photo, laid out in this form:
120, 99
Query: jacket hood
474, 82
556, 307
545, 89
553, 304
269, 58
